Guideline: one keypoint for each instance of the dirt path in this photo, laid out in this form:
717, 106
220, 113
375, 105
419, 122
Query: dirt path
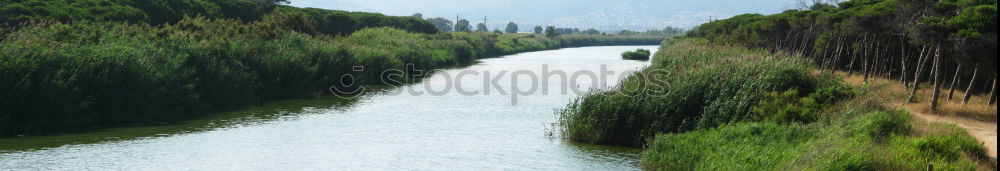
986, 132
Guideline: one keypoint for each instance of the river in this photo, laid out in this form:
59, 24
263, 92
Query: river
453, 125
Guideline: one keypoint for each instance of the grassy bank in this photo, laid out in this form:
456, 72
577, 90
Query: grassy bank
853, 137
722, 107
690, 85
73, 73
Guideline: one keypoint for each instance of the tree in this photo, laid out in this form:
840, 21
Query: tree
511, 28
591, 32
442, 24
482, 28
628, 32
463, 26
538, 30
550, 32
497, 31
937, 79
968, 91
418, 15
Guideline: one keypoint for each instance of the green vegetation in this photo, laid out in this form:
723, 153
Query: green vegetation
511, 28
638, 54
134, 11
158, 12
739, 94
879, 140
83, 72
705, 106
666, 31
881, 38
442, 24
550, 32
463, 26
690, 85
481, 27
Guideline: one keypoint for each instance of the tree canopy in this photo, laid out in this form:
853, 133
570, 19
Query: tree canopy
511, 28
463, 26
551, 32
481, 27
442, 24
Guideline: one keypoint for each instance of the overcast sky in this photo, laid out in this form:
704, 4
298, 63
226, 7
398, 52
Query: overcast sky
601, 14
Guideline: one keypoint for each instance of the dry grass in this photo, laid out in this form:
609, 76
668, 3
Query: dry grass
894, 90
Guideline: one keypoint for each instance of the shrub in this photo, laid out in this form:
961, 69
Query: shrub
831, 89
786, 107
639, 54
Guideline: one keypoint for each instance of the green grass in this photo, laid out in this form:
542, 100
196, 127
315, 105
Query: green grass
876, 140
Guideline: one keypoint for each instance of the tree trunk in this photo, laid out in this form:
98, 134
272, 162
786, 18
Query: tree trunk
903, 56
993, 92
836, 56
823, 58
918, 73
968, 91
937, 78
921, 61
864, 69
890, 65
954, 80
875, 61
854, 57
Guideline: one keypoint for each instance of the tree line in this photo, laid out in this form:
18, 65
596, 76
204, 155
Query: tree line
943, 42
160, 12
464, 25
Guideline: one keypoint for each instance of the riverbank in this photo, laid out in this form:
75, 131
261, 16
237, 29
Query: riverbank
733, 108
87, 75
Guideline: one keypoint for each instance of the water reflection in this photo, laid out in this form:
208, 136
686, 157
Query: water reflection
250, 116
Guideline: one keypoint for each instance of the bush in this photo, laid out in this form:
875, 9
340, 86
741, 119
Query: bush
638, 54
786, 107
690, 85
831, 89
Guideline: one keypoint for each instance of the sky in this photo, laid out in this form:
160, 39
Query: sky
600, 14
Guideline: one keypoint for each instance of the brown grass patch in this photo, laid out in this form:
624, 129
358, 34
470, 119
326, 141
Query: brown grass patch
976, 109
